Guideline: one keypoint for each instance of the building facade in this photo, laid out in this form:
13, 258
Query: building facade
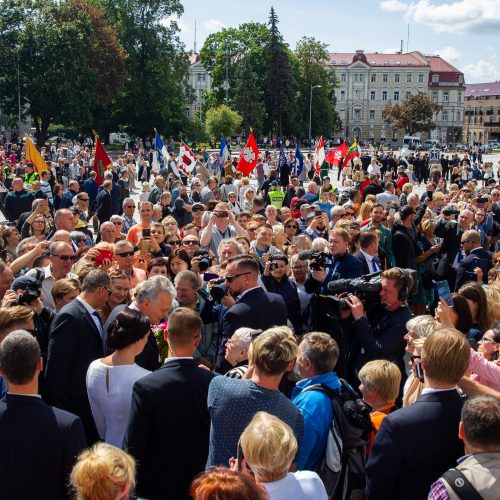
199, 79
370, 82
482, 113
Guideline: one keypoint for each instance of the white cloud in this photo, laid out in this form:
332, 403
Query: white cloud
449, 54
212, 25
393, 5
183, 27
482, 71
390, 51
459, 17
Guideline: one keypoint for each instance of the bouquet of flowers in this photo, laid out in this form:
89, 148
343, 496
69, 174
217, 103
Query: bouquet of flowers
159, 332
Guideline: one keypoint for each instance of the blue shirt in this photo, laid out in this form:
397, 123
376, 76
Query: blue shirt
316, 407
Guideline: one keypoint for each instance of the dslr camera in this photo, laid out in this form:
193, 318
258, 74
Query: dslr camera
205, 261
218, 291
320, 260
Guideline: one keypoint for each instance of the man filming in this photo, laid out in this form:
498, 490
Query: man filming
381, 336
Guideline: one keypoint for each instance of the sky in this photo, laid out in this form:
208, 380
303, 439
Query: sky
466, 33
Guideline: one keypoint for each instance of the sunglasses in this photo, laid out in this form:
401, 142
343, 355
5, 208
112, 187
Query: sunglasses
117, 222
350, 213
486, 339
130, 206
190, 242
231, 277
125, 254
290, 226
65, 257
84, 199
174, 242
197, 209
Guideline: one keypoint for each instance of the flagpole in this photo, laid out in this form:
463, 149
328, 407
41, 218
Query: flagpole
310, 110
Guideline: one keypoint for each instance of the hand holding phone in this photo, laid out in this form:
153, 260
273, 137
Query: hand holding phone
443, 290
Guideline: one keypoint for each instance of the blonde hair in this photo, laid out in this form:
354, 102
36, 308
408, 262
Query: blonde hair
146, 187
11, 317
493, 300
102, 472
422, 326
365, 210
383, 377
269, 446
274, 350
445, 355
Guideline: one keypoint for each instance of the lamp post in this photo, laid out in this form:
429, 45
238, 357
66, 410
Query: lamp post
310, 110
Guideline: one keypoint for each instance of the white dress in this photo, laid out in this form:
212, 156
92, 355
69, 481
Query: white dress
301, 485
110, 394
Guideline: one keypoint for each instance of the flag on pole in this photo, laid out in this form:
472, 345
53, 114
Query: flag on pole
319, 155
34, 156
335, 155
248, 156
282, 159
101, 161
352, 153
299, 161
187, 159
223, 157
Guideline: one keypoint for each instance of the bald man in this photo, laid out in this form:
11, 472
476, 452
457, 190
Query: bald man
475, 257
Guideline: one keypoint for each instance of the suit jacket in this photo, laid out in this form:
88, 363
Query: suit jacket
452, 237
479, 257
104, 206
74, 342
414, 446
169, 428
256, 309
39, 447
364, 262
405, 246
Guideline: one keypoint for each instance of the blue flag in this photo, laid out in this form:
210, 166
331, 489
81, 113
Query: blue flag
299, 161
158, 144
223, 155
282, 160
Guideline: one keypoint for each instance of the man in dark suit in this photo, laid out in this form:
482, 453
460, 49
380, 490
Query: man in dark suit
368, 254
169, 426
39, 443
75, 340
68, 195
450, 255
416, 444
254, 307
476, 256
104, 203
91, 187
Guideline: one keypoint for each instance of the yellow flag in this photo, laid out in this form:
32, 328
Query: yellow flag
34, 156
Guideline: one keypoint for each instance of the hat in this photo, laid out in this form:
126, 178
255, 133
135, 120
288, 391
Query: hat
275, 183
23, 282
305, 206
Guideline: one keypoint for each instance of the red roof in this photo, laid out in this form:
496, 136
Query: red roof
478, 89
439, 65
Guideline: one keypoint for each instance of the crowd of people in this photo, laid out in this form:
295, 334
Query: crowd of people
211, 335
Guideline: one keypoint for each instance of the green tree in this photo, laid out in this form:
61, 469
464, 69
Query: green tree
280, 91
54, 55
311, 56
415, 114
222, 121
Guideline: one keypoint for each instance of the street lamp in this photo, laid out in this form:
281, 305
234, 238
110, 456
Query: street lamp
310, 110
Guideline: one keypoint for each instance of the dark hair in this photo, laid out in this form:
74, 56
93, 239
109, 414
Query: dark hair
19, 355
128, 327
405, 212
366, 238
474, 291
481, 421
245, 261
94, 280
178, 253
259, 201
157, 261
279, 256
462, 309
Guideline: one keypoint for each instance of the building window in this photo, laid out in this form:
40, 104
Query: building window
357, 114
396, 77
373, 77
408, 94
342, 95
361, 77
357, 94
434, 97
372, 95
385, 77
446, 97
420, 78
372, 114
458, 116
384, 95
435, 78
343, 77
356, 77
396, 95
459, 97
201, 77
408, 77
445, 116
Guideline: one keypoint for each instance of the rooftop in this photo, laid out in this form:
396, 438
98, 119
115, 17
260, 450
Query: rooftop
480, 89
375, 59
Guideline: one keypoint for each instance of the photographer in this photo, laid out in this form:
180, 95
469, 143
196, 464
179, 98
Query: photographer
342, 265
381, 335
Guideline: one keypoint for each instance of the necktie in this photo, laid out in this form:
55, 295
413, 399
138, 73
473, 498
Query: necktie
99, 321
376, 264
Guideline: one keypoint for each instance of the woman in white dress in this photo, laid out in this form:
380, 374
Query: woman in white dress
110, 380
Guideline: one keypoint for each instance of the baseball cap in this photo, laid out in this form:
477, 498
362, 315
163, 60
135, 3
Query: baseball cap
23, 282
305, 206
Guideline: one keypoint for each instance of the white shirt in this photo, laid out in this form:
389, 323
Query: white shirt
301, 485
91, 311
371, 263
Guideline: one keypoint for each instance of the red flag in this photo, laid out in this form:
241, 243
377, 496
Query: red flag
352, 153
101, 161
187, 159
335, 155
248, 156
319, 154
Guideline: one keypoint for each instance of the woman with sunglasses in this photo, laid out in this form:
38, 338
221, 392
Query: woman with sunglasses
291, 227
483, 363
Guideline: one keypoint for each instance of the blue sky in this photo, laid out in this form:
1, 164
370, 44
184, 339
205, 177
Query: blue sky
464, 32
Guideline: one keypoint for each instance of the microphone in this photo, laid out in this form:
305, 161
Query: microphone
306, 254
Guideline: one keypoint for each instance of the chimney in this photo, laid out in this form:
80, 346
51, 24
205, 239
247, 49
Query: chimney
402, 46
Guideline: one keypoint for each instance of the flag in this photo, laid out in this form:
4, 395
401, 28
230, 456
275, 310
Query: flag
34, 156
299, 159
223, 157
101, 161
282, 159
352, 153
335, 155
319, 154
248, 156
187, 159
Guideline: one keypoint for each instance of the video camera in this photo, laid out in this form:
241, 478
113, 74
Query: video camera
319, 260
218, 291
32, 290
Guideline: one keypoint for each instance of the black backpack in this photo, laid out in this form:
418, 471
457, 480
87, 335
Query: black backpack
342, 466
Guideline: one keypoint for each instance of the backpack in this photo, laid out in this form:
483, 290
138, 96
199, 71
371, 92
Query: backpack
342, 466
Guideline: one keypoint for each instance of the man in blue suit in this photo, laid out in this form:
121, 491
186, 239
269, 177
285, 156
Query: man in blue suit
475, 256
417, 444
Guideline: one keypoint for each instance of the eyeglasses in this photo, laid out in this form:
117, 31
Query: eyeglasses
197, 209
290, 226
39, 221
299, 268
117, 222
488, 340
231, 277
174, 242
497, 261
65, 257
350, 213
171, 223
190, 242
125, 254
130, 206
107, 289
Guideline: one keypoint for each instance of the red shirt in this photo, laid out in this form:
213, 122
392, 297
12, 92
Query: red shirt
401, 182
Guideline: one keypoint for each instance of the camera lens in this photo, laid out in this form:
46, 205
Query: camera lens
217, 292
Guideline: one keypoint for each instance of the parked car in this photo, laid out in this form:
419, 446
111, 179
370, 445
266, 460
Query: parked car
119, 138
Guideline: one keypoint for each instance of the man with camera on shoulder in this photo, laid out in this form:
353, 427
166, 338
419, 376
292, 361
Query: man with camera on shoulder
380, 334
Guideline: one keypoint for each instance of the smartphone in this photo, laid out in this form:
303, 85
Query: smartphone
239, 457
318, 213
430, 194
144, 247
146, 233
419, 372
392, 212
443, 290
103, 254
209, 276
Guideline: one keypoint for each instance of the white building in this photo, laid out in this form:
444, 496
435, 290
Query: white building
199, 79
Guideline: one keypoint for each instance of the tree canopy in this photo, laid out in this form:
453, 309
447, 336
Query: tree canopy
222, 121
